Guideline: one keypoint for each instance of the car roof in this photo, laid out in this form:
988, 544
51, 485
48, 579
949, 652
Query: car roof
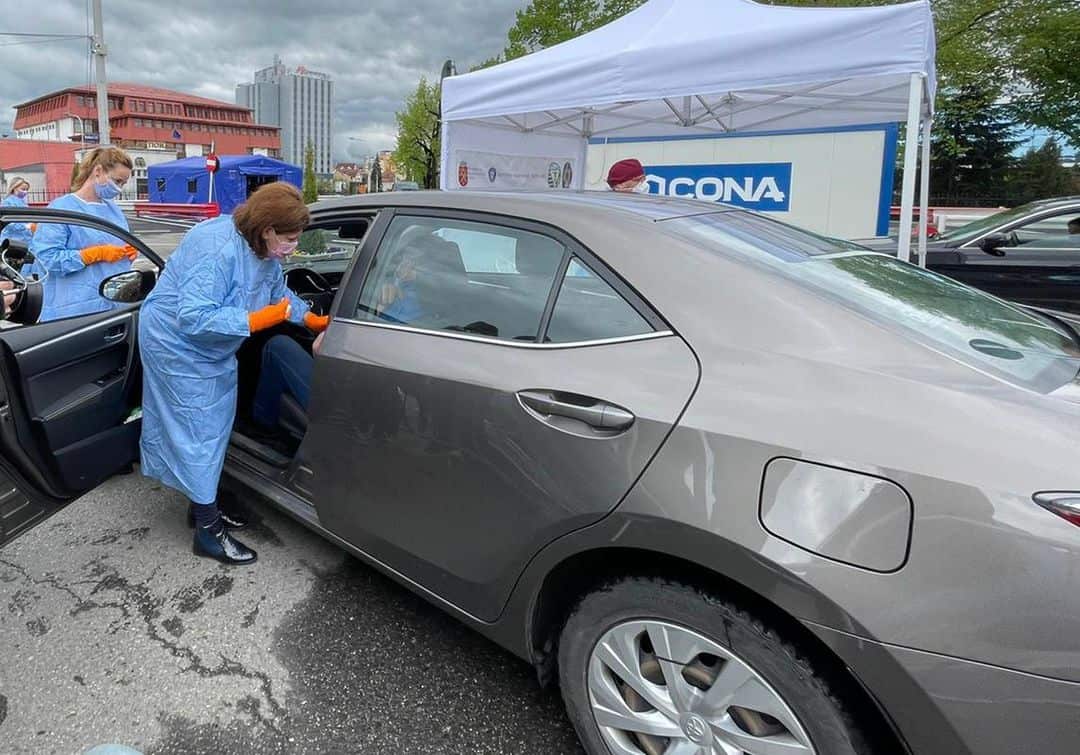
538, 205
1046, 204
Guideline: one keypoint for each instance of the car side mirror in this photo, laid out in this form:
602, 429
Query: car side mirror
992, 244
128, 287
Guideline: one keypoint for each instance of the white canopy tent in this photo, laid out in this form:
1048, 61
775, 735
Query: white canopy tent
697, 67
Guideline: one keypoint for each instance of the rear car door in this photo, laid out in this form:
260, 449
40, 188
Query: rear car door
68, 390
487, 387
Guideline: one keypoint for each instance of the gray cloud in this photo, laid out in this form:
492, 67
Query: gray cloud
375, 51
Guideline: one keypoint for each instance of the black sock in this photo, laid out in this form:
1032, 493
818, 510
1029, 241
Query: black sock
206, 514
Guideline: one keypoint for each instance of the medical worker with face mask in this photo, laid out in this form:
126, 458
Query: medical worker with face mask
18, 188
223, 283
74, 259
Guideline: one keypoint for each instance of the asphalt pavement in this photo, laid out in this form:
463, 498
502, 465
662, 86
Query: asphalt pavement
111, 630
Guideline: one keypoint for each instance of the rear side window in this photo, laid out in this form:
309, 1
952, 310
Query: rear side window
442, 274
588, 309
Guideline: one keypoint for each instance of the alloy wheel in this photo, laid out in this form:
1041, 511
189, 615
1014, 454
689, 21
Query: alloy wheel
660, 689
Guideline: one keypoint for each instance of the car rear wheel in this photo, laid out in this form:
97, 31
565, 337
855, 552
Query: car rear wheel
649, 667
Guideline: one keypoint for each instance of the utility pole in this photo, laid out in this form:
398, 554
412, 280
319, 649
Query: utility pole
97, 46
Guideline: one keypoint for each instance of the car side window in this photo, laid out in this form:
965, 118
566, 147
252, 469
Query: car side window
1057, 232
589, 309
462, 276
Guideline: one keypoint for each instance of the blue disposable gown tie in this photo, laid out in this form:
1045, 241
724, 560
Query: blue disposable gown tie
70, 286
15, 231
190, 328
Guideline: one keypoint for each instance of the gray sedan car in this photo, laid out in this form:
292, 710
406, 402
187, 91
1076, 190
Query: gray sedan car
736, 488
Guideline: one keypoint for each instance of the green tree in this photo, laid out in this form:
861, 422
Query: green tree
375, 179
1040, 174
417, 151
1021, 51
311, 181
543, 23
972, 148
311, 242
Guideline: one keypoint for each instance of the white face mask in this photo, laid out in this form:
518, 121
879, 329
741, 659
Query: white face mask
642, 188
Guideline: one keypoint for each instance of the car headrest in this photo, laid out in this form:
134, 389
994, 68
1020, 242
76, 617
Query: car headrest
439, 256
537, 255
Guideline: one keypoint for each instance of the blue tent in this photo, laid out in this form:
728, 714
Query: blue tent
188, 182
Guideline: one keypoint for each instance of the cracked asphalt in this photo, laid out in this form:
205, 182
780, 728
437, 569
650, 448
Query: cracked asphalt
111, 631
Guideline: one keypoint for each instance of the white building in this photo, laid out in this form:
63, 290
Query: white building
301, 102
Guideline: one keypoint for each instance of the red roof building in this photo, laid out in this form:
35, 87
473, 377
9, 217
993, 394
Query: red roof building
148, 118
46, 165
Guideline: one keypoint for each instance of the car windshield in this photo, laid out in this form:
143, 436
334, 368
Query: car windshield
973, 327
976, 228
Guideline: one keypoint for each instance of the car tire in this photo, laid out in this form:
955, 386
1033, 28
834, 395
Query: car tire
685, 619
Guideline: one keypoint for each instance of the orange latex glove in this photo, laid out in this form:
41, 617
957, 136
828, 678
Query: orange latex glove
103, 253
33, 228
316, 323
269, 316
131, 252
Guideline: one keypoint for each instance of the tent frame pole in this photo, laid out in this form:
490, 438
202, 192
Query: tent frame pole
911, 152
924, 189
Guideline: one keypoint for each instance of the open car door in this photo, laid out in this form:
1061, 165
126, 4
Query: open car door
68, 389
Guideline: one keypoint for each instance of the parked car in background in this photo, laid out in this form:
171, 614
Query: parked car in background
406, 186
737, 487
1029, 254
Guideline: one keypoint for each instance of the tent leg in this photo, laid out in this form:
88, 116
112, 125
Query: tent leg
911, 150
924, 189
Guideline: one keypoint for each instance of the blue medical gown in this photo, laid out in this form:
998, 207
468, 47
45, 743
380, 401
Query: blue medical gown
71, 287
15, 231
190, 328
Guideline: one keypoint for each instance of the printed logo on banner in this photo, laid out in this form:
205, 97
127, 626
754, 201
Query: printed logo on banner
757, 186
463, 173
554, 177
567, 175
492, 173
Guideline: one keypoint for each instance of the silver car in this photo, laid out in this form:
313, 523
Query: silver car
736, 488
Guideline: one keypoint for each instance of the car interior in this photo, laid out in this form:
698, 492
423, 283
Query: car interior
23, 304
314, 274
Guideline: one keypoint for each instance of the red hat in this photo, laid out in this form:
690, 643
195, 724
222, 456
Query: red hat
623, 171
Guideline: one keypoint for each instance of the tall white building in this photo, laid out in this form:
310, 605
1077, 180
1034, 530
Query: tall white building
301, 102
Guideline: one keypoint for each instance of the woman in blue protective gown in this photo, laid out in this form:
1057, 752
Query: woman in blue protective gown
223, 283
18, 188
74, 259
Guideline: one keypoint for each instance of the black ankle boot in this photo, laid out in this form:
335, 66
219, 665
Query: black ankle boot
231, 519
216, 542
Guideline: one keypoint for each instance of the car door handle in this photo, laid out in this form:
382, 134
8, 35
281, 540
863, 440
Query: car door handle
115, 333
595, 413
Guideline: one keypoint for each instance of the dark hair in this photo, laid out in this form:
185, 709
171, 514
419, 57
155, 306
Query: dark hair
275, 205
107, 157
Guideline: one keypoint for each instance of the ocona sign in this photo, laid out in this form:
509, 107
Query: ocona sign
757, 186
834, 181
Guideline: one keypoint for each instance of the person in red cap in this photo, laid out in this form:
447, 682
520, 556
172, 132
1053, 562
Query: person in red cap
627, 176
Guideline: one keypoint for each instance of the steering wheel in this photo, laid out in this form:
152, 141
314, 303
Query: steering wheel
1013, 239
304, 280
312, 287
21, 298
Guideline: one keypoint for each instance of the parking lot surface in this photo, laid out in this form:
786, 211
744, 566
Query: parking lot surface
112, 631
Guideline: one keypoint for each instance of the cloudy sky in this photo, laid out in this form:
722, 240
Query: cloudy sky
375, 50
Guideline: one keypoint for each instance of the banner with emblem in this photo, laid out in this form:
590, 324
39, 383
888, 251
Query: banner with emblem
489, 171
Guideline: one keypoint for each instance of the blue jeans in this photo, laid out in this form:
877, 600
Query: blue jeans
286, 368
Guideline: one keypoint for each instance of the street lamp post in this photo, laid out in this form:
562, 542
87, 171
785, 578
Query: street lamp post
366, 158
